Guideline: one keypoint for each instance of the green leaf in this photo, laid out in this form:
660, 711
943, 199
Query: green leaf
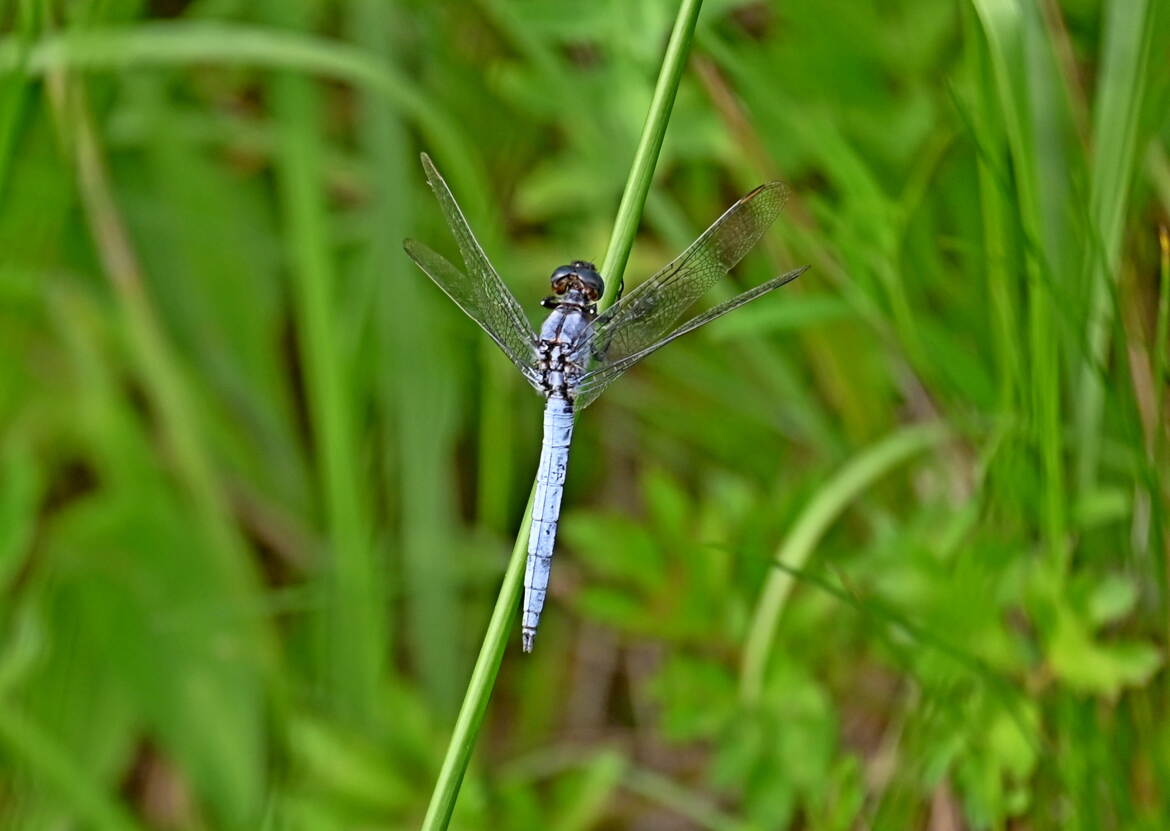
1103, 669
1112, 599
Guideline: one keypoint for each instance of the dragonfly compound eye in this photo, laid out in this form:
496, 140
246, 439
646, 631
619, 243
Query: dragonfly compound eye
590, 280
560, 279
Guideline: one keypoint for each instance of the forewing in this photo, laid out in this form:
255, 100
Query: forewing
645, 314
480, 292
481, 305
592, 383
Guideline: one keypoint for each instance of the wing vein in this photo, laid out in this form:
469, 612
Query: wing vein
480, 293
640, 319
594, 381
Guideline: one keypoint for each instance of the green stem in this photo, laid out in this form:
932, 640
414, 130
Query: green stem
1161, 493
1161, 339
197, 42
479, 688
159, 367
353, 642
649, 146
1117, 130
491, 652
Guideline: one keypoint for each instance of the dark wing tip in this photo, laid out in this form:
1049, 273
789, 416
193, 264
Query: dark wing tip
796, 272
788, 277
778, 188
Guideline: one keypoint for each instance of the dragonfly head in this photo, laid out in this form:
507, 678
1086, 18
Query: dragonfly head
578, 275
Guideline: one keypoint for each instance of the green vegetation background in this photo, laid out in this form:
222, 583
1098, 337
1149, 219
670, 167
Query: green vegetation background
885, 550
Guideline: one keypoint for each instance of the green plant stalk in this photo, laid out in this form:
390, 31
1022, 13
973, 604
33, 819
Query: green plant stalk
629, 213
650, 785
491, 652
656, 788
1161, 495
996, 221
1116, 127
479, 687
163, 380
816, 518
353, 643
181, 43
1161, 335
1037, 204
1017, 65
382, 140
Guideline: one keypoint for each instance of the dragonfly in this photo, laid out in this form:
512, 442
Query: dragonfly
580, 350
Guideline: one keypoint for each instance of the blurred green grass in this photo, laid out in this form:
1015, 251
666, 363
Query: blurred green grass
258, 479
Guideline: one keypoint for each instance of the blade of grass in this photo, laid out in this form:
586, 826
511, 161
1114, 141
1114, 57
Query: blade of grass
1161, 347
13, 102
1116, 122
1162, 338
818, 515
417, 389
686, 801
487, 664
987, 127
1057, 248
629, 214
59, 769
353, 642
1022, 71
479, 687
381, 138
878, 612
162, 377
181, 43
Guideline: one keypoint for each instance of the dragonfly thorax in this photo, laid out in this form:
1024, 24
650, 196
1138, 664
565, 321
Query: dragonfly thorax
558, 361
560, 358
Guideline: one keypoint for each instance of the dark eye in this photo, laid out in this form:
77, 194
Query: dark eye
560, 279
594, 285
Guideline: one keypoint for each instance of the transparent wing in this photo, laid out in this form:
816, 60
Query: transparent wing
593, 382
647, 313
638, 323
481, 305
482, 295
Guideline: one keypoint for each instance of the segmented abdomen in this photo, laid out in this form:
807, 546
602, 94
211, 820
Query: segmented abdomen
546, 510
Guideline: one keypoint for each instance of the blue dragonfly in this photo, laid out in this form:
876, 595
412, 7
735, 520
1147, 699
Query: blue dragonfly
579, 350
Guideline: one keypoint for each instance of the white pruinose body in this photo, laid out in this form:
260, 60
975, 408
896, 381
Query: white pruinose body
546, 510
559, 370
